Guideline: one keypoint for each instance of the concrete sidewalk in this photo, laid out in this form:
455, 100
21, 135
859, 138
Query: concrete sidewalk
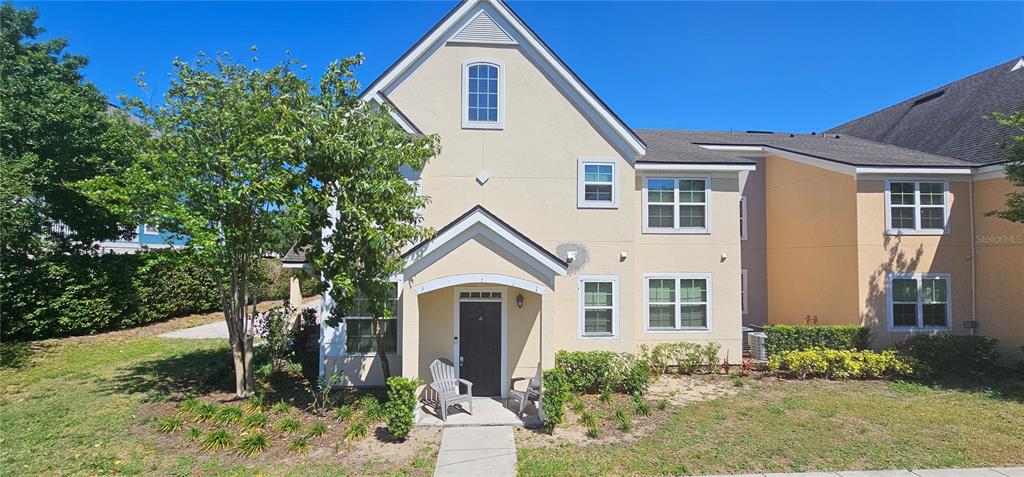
476, 451
219, 329
975, 472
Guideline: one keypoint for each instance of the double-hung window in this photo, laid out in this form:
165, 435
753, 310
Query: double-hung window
359, 335
744, 292
677, 205
599, 306
916, 207
678, 302
919, 301
483, 93
743, 217
597, 184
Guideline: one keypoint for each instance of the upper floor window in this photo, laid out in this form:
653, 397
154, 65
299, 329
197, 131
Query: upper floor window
743, 217
918, 301
916, 207
596, 185
482, 95
677, 205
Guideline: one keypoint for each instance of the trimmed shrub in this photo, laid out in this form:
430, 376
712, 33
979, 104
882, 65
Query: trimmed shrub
556, 395
631, 374
687, 358
600, 371
945, 354
401, 405
839, 364
793, 338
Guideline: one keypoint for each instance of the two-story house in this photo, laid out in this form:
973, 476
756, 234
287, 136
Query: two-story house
560, 227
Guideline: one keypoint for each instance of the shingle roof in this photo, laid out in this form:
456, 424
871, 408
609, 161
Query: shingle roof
951, 120
679, 146
294, 255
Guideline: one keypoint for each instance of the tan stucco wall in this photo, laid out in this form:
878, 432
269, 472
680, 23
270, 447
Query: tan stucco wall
999, 248
811, 243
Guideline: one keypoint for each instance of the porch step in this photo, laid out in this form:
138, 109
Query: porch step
487, 412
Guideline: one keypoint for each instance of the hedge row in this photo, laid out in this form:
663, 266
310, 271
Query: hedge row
85, 294
840, 364
794, 338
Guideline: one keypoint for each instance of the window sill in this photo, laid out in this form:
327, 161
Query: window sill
472, 125
597, 205
897, 232
677, 330
650, 231
901, 329
597, 337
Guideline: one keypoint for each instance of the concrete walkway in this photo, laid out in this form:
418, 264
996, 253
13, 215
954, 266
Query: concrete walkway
976, 472
476, 451
219, 329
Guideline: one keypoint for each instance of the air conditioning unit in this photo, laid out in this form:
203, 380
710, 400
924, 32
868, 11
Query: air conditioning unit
758, 350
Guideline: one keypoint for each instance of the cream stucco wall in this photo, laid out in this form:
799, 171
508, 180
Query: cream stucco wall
532, 166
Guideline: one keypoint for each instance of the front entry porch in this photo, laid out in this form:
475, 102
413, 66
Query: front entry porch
486, 412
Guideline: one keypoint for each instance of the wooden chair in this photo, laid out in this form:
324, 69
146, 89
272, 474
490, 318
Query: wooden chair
446, 385
531, 393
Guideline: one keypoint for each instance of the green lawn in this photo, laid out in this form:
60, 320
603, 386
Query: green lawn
812, 425
73, 408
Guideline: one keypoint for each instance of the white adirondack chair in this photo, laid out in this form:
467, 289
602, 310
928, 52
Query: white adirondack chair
531, 393
446, 385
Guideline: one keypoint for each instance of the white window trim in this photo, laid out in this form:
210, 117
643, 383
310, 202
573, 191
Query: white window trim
744, 293
920, 300
150, 230
581, 322
917, 230
342, 332
676, 277
581, 201
466, 123
675, 196
743, 217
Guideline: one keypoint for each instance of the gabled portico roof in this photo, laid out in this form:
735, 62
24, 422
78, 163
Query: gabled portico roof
479, 221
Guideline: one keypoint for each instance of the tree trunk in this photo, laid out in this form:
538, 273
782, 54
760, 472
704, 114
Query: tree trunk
378, 334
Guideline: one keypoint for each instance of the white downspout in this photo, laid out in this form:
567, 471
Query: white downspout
974, 266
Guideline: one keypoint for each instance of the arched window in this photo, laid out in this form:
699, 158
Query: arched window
482, 96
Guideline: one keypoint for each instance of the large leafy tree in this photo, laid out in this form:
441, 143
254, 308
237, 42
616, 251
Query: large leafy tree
239, 156
1014, 149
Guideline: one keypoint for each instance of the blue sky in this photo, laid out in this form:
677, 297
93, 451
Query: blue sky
723, 66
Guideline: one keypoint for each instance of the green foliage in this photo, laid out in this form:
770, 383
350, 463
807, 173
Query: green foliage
205, 412
356, 431
593, 432
193, 434
254, 403
255, 420
371, 409
557, 392
317, 429
343, 412
188, 405
280, 407
622, 420
288, 425
218, 439
945, 354
588, 419
578, 406
299, 445
593, 371
274, 326
839, 364
253, 444
228, 415
401, 405
793, 338
167, 425
76, 294
1014, 152
606, 395
641, 407
686, 357
662, 404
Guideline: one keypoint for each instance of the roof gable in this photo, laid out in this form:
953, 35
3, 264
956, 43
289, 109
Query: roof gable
479, 21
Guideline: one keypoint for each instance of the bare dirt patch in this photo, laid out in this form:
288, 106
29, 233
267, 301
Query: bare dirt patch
675, 391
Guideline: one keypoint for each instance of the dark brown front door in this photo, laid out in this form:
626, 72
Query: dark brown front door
480, 346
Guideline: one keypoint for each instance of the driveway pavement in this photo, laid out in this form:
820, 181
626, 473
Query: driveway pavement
219, 329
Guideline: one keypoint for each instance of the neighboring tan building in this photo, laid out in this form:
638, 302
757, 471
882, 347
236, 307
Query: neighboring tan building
560, 227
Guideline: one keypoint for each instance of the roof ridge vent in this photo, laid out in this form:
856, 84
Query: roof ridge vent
760, 132
926, 98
